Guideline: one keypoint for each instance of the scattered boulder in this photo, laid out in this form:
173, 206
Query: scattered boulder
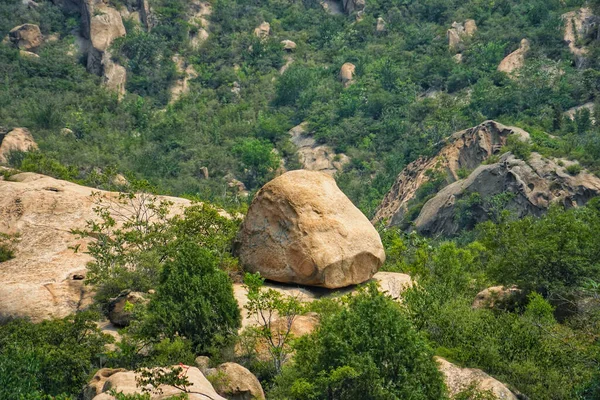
464, 150
66, 132
393, 283
458, 58
347, 74
186, 73
127, 383
204, 173
515, 60
458, 32
263, 30
200, 12
237, 185
38, 282
380, 25
458, 379
118, 312
19, 139
235, 382
26, 37
288, 45
203, 364
301, 228
578, 25
498, 297
572, 112
119, 180
314, 156
28, 54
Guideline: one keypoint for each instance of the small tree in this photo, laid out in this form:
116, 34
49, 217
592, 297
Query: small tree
274, 314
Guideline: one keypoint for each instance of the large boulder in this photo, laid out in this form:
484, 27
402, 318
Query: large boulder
126, 382
44, 279
314, 156
458, 32
578, 25
301, 228
515, 60
26, 37
19, 139
459, 379
263, 30
235, 382
498, 297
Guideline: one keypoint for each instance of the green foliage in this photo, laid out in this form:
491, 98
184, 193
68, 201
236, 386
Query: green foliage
6, 247
52, 357
518, 147
367, 350
574, 169
194, 299
552, 255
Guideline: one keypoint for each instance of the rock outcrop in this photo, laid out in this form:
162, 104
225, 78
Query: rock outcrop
351, 6
19, 139
515, 60
347, 74
301, 228
288, 45
26, 37
498, 297
199, 19
578, 25
464, 150
458, 32
527, 188
101, 25
530, 188
186, 73
263, 30
126, 382
458, 379
235, 382
118, 312
314, 156
380, 27
44, 278
572, 112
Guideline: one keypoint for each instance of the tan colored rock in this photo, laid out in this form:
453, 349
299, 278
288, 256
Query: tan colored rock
458, 379
43, 280
380, 25
28, 54
301, 228
458, 32
96, 384
19, 139
288, 45
347, 74
458, 58
572, 112
454, 39
515, 60
576, 26
181, 85
314, 156
288, 61
393, 283
55, 37
105, 26
470, 27
66, 132
117, 307
26, 37
115, 75
498, 297
119, 180
200, 13
463, 150
126, 382
235, 382
263, 30
203, 363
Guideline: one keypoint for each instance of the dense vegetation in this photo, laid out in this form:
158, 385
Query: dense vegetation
408, 94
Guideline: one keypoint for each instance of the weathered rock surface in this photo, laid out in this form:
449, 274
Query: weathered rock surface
199, 18
458, 32
117, 308
498, 297
263, 30
578, 25
101, 25
533, 185
26, 37
235, 382
347, 74
301, 228
515, 60
351, 6
288, 45
181, 86
313, 156
458, 379
380, 27
463, 150
19, 139
571, 112
43, 280
125, 382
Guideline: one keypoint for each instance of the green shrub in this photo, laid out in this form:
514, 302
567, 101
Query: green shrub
518, 147
574, 169
367, 350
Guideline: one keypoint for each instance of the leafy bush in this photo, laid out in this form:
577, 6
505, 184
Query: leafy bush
367, 350
574, 169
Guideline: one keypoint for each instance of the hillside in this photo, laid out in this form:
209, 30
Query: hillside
299, 199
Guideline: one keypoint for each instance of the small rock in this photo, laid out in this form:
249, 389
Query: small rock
288, 45
204, 172
237, 383
117, 313
28, 54
347, 74
66, 132
203, 363
380, 25
263, 30
498, 297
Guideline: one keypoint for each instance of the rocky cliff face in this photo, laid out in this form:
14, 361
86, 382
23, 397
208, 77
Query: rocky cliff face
523, 187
